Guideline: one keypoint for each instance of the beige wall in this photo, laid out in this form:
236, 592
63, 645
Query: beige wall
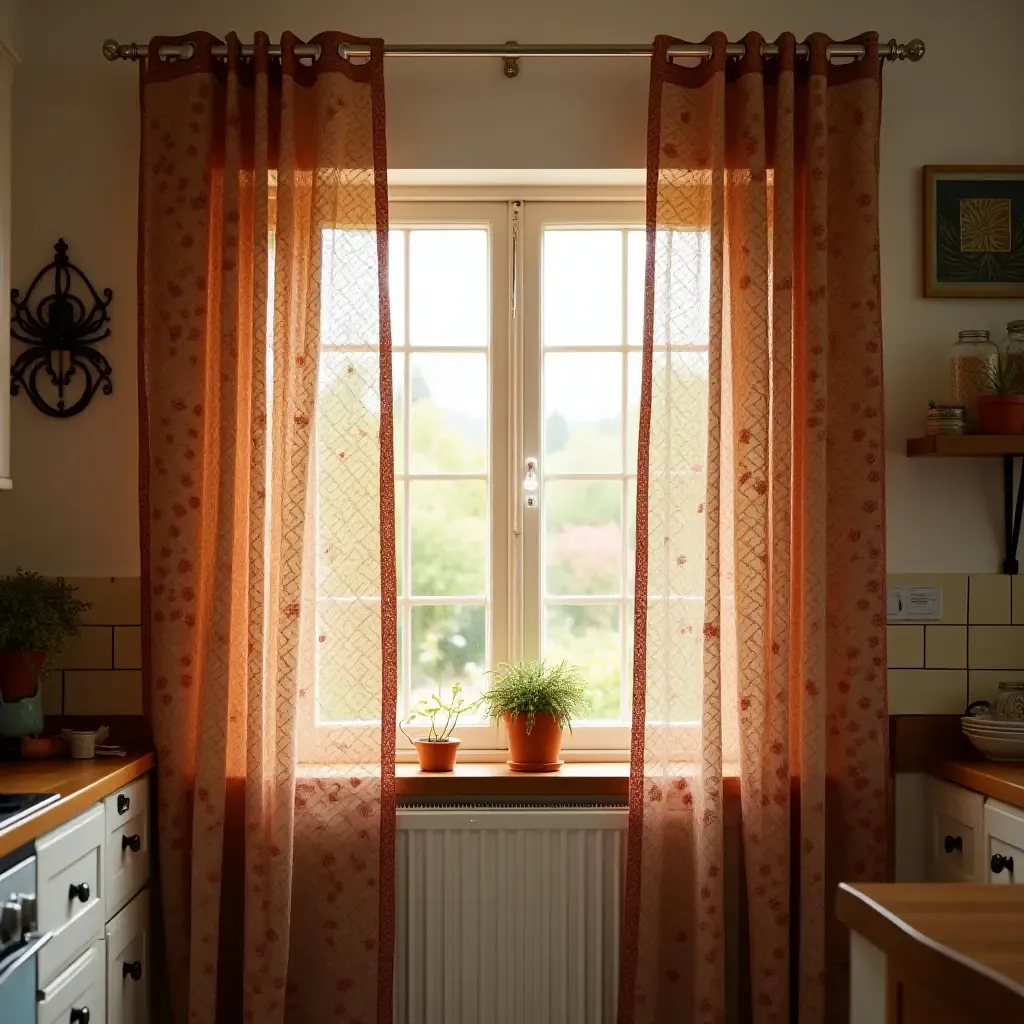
73, 509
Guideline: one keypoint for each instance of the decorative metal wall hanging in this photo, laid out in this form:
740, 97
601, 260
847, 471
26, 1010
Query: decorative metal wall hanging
62, 362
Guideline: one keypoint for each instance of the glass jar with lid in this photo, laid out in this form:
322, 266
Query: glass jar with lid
1013, 345
971, 362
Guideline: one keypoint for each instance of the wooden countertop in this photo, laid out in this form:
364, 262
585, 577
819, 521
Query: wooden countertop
80, 784
1000, 780
963, 940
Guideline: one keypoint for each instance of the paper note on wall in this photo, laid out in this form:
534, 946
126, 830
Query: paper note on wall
914, 603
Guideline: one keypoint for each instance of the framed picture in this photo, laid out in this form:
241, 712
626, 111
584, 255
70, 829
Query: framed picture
974, 231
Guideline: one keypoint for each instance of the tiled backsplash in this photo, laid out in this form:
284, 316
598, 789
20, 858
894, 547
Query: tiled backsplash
100, 670
939, 667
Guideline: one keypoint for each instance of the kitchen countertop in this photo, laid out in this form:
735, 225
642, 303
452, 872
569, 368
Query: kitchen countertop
963, 940
1001, 780
80, 784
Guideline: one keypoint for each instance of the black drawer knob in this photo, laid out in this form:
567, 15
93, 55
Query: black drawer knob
80, 893
133, 843
80, 1014
123, 803
132, 969
952, 843
999, 862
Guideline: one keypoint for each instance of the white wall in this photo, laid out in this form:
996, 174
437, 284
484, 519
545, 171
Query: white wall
73, 508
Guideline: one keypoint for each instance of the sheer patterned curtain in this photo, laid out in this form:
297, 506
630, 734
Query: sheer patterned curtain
271, 871
759, 645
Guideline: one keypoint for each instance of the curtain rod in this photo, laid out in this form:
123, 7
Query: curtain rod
912, 51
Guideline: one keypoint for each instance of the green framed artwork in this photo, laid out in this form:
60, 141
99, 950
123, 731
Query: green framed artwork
974, 231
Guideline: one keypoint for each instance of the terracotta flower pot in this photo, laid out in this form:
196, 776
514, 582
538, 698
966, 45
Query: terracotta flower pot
538, 750
437, 755
1001, 414
19, 674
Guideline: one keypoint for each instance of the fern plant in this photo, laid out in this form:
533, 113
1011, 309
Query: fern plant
36, 613
433, 708
534, 688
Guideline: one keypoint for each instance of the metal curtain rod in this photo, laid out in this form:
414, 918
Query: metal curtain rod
912, 51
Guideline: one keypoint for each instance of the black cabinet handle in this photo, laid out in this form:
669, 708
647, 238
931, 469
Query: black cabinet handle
999, 862
133, 843
123, 803
81, 893
952, 843
80, 1015
132, 969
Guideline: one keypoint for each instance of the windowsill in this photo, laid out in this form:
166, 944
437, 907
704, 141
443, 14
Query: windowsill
609, 780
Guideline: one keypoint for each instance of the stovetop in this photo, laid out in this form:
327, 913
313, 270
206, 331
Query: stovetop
15, 806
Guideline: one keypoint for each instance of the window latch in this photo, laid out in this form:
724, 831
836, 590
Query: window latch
531, 485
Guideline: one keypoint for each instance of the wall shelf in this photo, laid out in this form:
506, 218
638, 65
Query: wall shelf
1007, 447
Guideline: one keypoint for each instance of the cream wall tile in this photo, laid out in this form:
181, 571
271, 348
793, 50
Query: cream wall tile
1017, 598
103, 693
904, 646
996, 647
92, 648
128, 647
115, 600
922, 691
983, 685
945, 646
954, 592
988, 600
53, 692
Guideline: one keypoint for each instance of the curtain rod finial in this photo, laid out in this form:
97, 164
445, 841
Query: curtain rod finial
912, 51
113, 50
915, 50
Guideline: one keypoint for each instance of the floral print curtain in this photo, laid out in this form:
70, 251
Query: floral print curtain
277, 876
759, 616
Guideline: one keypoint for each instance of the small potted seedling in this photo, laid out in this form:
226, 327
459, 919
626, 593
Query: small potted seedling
536, 702
1001, 410
438, 750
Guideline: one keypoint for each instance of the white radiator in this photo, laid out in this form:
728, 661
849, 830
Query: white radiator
508, 915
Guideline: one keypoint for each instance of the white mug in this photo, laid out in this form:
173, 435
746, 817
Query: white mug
83, 741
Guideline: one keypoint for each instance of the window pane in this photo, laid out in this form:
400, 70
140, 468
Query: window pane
583, 541
587, 636
583, 412
636, 246
448, 289
449, 520
348, 662
449, 645
582, 288
396, 285
449, 413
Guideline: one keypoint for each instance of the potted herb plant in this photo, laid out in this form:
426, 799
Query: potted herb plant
438, 750
1001, 410
536, 702
37, 616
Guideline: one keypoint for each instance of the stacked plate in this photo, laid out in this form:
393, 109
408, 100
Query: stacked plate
1001, 739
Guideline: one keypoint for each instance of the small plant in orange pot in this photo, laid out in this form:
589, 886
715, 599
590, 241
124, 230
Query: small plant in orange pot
438, 750
1001, 410
536, 702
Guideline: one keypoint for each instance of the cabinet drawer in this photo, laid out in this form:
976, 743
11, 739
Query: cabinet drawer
80, 987
127, 843
69, 888
955, 838
1004, 844
128, 962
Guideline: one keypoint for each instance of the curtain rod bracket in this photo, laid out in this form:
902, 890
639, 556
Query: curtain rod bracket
511, 63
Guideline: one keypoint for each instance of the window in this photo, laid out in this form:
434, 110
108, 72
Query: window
488, 571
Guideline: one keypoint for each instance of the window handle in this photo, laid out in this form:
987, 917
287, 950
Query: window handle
531, 484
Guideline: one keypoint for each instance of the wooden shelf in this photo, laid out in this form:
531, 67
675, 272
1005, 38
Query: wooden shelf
963, 445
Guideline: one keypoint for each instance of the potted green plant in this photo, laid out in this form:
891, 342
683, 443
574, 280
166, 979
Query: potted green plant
37, 616
536, 702
438, 750
1001, 410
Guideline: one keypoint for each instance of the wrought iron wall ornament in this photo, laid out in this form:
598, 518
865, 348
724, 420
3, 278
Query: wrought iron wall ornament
62, 332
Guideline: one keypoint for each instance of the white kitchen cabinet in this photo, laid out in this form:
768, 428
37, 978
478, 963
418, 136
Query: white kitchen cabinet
127, 843
955, 834
1004, 844
78, 994
69, 889
128, 964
